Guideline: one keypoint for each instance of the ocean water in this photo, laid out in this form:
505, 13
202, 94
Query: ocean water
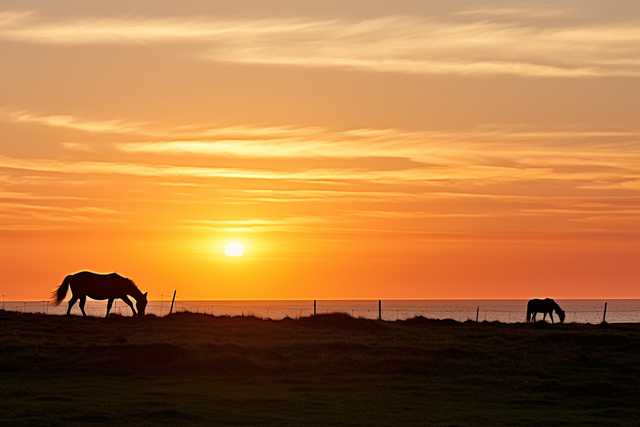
507, 311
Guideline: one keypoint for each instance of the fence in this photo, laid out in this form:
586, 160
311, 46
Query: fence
269, 310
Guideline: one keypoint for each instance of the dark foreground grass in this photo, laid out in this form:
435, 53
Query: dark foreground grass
190, 369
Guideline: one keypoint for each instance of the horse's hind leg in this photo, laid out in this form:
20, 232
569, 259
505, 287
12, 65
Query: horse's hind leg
129, 303
109, 306
72, 301
82, 301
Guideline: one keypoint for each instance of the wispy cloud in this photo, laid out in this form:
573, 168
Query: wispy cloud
398, 44
527, 11
72, 122
485, 150
257, 225
16, 195
12, 18
24, 207
484, 155
427, 147
157, 130
318, 174
29, 216
240, 148
141, 30
421, 215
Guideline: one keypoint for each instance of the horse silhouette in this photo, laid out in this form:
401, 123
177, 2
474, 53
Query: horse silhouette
100, 287
545, 306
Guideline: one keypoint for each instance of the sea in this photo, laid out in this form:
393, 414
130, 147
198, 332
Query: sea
504, 310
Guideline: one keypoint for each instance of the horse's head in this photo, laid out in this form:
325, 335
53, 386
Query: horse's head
141, 304
560, 313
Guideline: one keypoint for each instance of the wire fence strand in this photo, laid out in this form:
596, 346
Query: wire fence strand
278, 312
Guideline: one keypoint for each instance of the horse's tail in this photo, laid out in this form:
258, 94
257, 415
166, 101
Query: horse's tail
529, 312
59, 294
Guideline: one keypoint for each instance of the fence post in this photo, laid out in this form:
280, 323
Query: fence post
477, 314
604, 316
379, 309
314, 306
174, 299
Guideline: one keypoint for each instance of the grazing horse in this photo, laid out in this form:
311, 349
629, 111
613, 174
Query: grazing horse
99, 286
544, 306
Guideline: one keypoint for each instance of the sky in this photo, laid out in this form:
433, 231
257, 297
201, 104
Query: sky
357, 149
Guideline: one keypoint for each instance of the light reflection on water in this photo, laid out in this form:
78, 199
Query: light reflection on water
507, 311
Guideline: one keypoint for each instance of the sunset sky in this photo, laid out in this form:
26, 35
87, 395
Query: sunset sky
355, 148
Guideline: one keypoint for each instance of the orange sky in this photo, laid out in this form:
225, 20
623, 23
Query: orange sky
357, 149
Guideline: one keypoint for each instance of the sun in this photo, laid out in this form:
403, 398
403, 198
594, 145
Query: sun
234, 249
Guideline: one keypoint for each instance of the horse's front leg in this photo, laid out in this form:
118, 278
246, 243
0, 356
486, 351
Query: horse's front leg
544, 316
83, 300
129, 303
72, 301
109, 306
551, 317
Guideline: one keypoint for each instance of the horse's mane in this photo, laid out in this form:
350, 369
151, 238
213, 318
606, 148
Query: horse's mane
132, 282
128, 280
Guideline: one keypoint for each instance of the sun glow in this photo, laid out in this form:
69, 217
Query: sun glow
234, 249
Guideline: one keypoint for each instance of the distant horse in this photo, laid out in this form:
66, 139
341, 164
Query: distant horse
545, 306
99, 286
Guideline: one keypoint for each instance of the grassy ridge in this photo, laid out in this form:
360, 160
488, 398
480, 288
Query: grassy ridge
190, 369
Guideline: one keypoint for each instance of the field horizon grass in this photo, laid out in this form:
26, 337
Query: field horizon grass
331, 369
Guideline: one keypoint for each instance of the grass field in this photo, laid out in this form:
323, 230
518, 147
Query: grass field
192, 369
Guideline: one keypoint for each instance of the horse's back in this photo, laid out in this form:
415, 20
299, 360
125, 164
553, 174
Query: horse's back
533, 303
100, 286
537, 304
92, 275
